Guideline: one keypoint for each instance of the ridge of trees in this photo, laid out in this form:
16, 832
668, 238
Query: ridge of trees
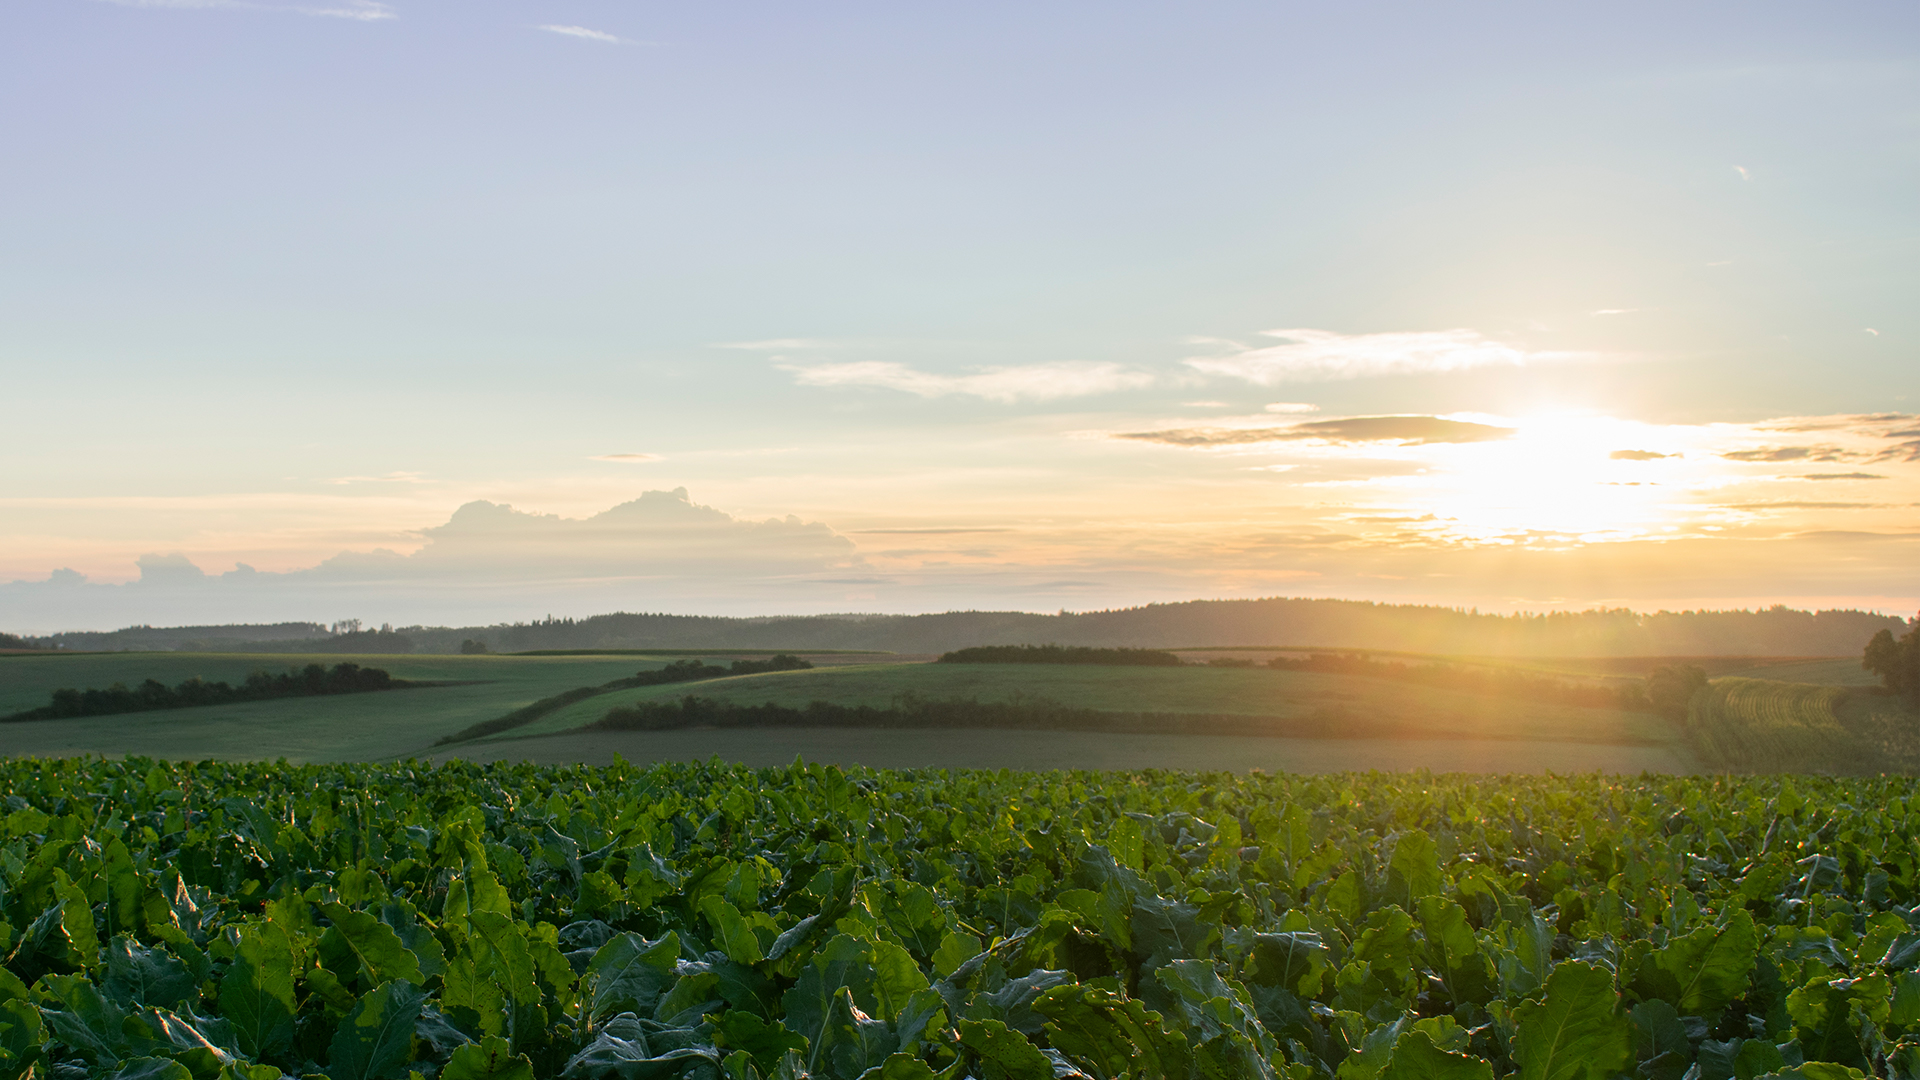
1060, 654
152, 695
1275, 621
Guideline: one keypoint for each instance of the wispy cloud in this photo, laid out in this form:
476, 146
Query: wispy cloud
1323, 355
1033, 382
1638, 455
1404, 430
1842, 476
582, 32
1791, 453
1616, 311
628, 459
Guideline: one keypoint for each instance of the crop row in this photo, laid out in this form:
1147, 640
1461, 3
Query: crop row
208, 921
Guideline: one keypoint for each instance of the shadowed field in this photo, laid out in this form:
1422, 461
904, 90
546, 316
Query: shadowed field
1077, 750
1259, 692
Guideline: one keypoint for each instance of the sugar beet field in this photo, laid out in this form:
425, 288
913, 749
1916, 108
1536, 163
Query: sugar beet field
229, 921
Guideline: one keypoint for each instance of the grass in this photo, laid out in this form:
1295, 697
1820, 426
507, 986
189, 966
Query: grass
1235, 691
352, 727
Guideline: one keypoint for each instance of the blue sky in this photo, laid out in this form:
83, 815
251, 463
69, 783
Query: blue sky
280, 280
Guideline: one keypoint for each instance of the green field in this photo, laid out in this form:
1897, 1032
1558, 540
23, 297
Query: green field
222, 921
351, 727
1765, 725
1237, 691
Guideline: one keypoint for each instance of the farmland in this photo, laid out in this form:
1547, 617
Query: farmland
356, 728
1253, 692
708, 922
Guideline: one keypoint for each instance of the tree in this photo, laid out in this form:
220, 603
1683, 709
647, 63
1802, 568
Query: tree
473, 647
1671, 689
1896, 661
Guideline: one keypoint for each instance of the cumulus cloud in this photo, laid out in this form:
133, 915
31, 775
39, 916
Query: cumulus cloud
639, 555
582, 32
1402, 430
1033, 382
1324, 356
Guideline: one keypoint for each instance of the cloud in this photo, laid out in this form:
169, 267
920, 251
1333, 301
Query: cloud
1616, 311
1789, 453
1638, 455
1323, 355
638, 555
1842, 476
1034, 382
582, 32
1292, 407
1404, 430
630, 459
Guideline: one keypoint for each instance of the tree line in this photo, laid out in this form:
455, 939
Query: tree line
1059, 654
1896, 661
152, 695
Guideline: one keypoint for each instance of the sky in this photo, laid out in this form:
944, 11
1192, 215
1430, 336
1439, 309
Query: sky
463, 312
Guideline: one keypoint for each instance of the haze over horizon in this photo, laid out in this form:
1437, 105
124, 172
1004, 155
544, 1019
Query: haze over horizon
751, 309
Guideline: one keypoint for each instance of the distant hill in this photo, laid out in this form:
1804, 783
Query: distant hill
1776, 631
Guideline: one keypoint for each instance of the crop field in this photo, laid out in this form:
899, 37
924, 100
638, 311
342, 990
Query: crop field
1245, 691
1762, 725
356, 727
707, 922
1005, 749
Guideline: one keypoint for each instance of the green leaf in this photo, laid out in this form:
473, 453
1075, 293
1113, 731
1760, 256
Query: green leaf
151, 1068
896, 978
1117, 1036
256, 994
376, 1039
1817, 1070
22, 1033
767, 1041
1414, 869
629, 974
955, 949
850, 1042
146, 976
382, 955
1004, 1054
1415, 1057
1711, 966
1454, 953
900, 1067
735, 937
1295, 961
489, 1059
1576, 1033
